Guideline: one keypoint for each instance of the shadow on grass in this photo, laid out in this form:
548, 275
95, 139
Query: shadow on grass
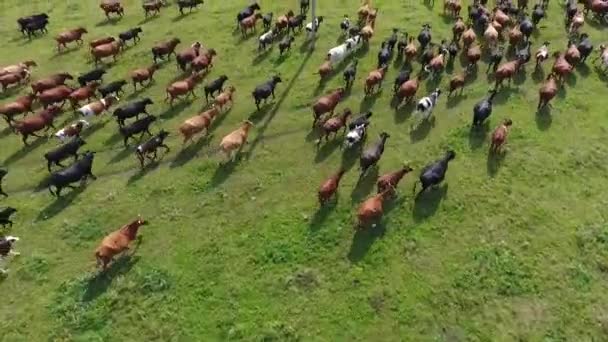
223, 171
322, 213
101, 281
365, 185
543, 118
24, 151
190, 151
422, 129
181, 16
363, 240
122, 155
350, 156
493, 162
477, 135
148, 19
175, 110
262, 55
326, 148
427, 203
6, 132
59, 204
151, 166
111, 21
368, 101
94, 128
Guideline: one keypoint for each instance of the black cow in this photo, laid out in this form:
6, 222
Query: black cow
132, 34
190, 4
114, 87
80, 170
132, 109
216, 85
151, 146
263, 91
434, 173
247, 12
23, 21
34, 26
285, 44
3, 173
91, 76
5, 216
297, 21
140, 126
63, 152
350, 73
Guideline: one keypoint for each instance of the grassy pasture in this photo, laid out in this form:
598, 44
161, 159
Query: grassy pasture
507, 249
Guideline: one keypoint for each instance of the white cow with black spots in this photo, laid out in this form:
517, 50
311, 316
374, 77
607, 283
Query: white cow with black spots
425, 106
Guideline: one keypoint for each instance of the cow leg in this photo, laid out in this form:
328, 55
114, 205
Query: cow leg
25, 139
92, 175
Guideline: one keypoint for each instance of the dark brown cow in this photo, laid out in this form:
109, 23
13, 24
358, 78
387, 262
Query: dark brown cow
32, 124
74, 35
50, 82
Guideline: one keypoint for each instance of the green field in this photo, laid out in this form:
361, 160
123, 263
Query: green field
510, 248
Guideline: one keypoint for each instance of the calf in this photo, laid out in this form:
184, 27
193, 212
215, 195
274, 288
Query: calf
64, 151
263, 91
216, 85
150, 147
329, 187
350, 73
132, 34
6, 249
140, 126
79, 171
114, 87
117, 242
434, 173
499, 137
132, 109
72, 130
95, 75
232, 143
372, 155
5, 216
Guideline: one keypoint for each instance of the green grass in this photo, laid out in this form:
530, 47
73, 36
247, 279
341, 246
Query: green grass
508, 249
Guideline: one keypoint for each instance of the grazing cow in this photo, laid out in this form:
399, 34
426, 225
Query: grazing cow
98, 107
32, 124
114, 87
6, 249
55, 95
190, 4
140, 126
72, 130
152, 6
333, 125
371, 210
185, 87
263, 91
69, 149
184, 57
16, 68
70, 36
232, 143
132, 34
198, 123
225, 97
117, 242
374, 79
3, 173
247, 12
350, 73
16, 78
164, 49
499, 136
21, 105
50, 82
285, 44
427, 104
143, 74
82, 94
329, 186
132, 109
542, 54
112, 6
249, 23
483, 109
389, 181
326, 104
149, 148
95, 75
5, 216
372, 155
434, 173
79, 171
216, 85
203, 61
547, 91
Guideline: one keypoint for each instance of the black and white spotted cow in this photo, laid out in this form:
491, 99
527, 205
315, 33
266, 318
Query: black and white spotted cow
6, 250
427, 104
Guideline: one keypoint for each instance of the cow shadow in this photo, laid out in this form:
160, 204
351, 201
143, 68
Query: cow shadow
148, 19
94, 128
478, 135
538, 75
113, 139
6, 132
108, 21
326, 148
261, 56
427, 203
151, 166
365, 185
363, 239
189, 152
223, 171
422, 129
543, 118
454, 100
494, 161
121, 155
322, 213
101, 281
368, 101
59, 204
350, 156
25, 150
175, 110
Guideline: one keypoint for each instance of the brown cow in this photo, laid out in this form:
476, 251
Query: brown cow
198, 123
333, 125
55, 95
16, 78
164, 48
372, 209
74, 35
143, 74
112, 6
32, 124
506, 71
21, 105
186, 56
329, 187
561, 67
50, 82
226, 96
82, 94
468, 36
283, 21
458, 28
499, 137
203, 61
375, 78
152, 6
101, 41
184, 87
249, 23
326, 104
234, 141
547, 91
117, 242
389, 181
408, 90
473, 55
106, 50
15, 68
